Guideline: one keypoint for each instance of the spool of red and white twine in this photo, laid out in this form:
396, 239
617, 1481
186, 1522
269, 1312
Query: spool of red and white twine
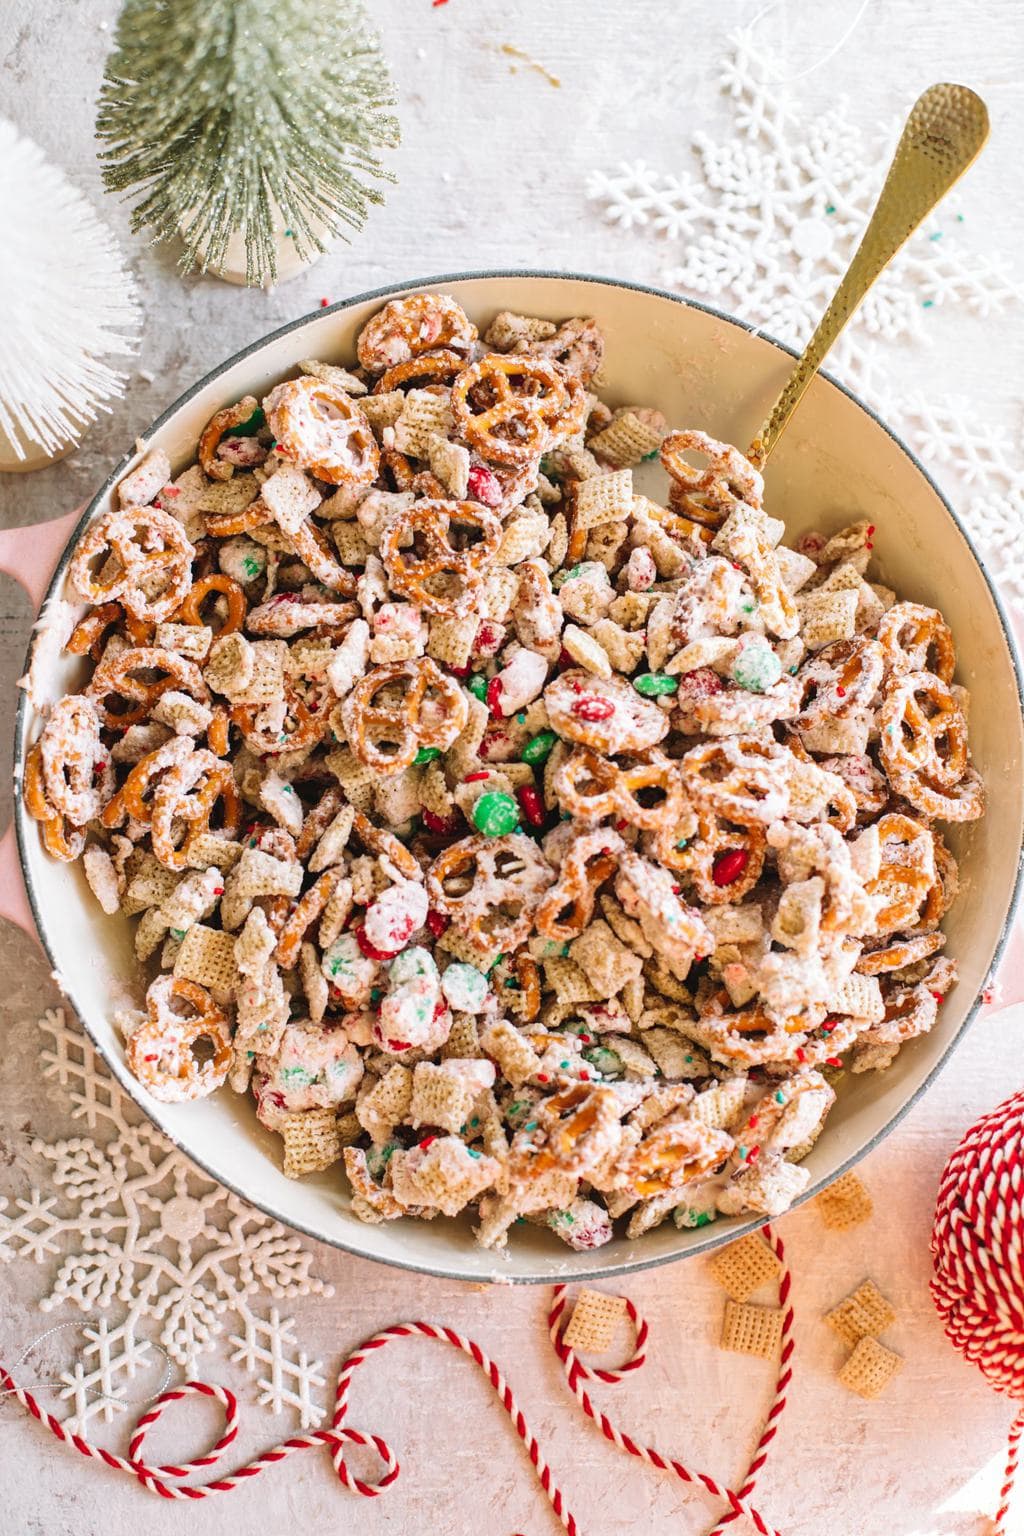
978, 1255
164, 1480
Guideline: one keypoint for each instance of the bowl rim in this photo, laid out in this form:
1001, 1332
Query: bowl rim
22, 823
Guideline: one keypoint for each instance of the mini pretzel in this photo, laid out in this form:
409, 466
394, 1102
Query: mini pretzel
184, 802
134, 545
191, 610
605, 714
306, 911
60, 839
487, 886
430, 712
294, 728
429, 370
742, 779
591, 787
115, 678
528, 976
922, 730
426, 573
225, 525
840, 680
406, 327
323, 431
708, 495
898, 954
89, 633
216, 428
134, 798
748, 1037
385, 845
76, 767
917, 639
705, 855
576, 1129
577, 347
510, 409
161, 1052
569, 905
673, 1153
907, 872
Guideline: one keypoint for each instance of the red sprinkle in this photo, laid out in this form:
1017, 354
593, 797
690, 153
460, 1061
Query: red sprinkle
871, 529
753, 1154
437, 922
495, 689
940, 997
729, 866
833, 1061
584, 1076
801, 1054
868, 544
472, 778
841, 691
324, 303
752, 1122
368, 949
427, 1140
218, 890
542, 1077
532, 803
593, 709
171, 490
483, 485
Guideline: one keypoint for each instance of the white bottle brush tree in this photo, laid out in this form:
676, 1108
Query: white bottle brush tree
67, 307
222, 118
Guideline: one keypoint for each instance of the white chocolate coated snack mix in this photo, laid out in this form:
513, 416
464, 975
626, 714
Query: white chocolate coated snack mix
522, 842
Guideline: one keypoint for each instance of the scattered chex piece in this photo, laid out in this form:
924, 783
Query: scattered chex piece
870, 1368
864, 1312
845, 1204
745, 1266
595, 1317
751, 1330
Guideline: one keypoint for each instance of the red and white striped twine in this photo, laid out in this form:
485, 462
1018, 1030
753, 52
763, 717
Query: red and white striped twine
339, 1435
978, 1258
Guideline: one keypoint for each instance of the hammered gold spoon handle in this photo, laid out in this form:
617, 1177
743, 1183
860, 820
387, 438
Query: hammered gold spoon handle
944, 134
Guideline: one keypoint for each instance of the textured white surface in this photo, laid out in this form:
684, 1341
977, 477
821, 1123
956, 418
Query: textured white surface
494, 172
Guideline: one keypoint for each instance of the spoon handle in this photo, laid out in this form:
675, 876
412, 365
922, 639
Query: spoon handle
944, 134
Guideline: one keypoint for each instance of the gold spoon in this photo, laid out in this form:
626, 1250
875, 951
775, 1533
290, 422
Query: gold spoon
944, 134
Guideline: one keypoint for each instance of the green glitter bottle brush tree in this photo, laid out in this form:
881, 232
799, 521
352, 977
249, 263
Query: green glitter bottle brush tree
232, 123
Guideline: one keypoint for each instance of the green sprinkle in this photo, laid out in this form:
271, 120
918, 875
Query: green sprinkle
531, 1125
250, 566
177, 933
684, 842
475, 1121
937, 235
780, 1097
289, 234
375, 994
564, 1065
287, 789
521, 717
701, 1218
427, 755
689, 1061
651, 684
477, 685
495, 814
743, 1154
472, 1152
830, 207
649, 456
928, 304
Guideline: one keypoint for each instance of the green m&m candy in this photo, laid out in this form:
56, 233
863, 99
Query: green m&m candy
426, 755
540, 748
651, 684
755, 665
495, 814
477, 685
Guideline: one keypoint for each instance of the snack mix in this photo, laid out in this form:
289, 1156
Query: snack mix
521, 842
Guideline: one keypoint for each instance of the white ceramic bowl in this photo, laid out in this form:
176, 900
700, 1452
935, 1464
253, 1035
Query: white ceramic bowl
837, 462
